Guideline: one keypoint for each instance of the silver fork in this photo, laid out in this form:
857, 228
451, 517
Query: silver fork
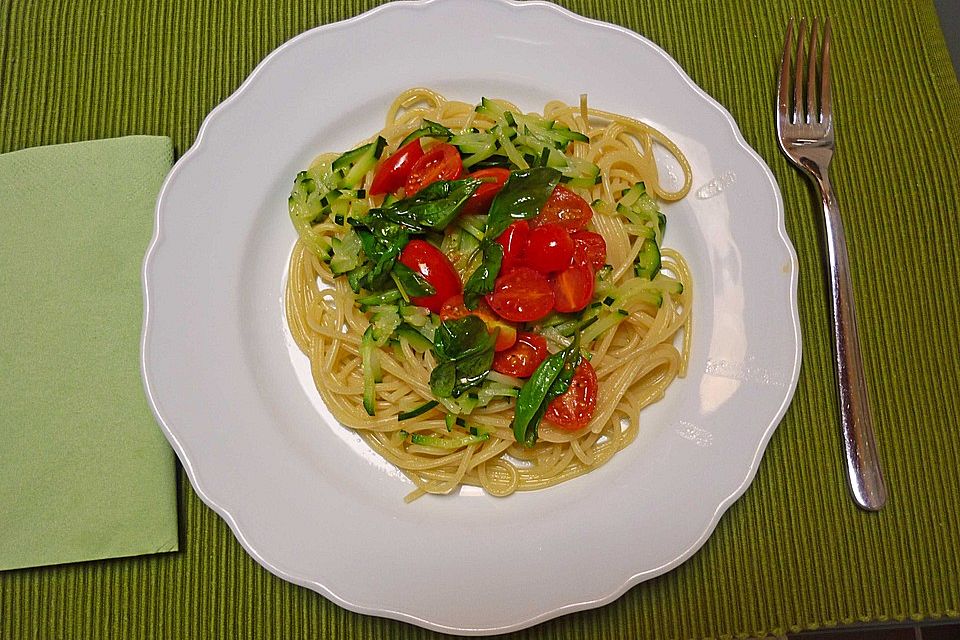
805, 131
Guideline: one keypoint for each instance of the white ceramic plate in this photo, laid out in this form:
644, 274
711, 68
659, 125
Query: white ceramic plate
302, 494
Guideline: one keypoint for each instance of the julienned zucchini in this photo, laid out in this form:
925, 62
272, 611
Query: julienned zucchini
353, 165
647, 263
526, 140
576, 172
428, 129
385, 320
439, 442
312, 192
346, 252
601, 325
638, 207
639, 291
416, 339
644, 216
371, 370
418, 411
327, 192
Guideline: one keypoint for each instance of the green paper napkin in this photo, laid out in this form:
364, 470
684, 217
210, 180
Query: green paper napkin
85, 472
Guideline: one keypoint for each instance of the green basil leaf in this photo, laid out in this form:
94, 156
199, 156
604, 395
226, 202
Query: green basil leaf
551, 379
462, 338
530, 437
433, 207
381, 249
481, 281
562, 383
411, 282
530, 401
521, 198
472, 371
443, 378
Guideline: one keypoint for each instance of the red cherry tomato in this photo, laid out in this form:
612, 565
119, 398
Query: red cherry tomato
549, 249
514, 243
454, 309
573, 287
522, 295
523, 358
441, 162
589, 248
393, 172
574, 408
493, 180
426, 259
565, 208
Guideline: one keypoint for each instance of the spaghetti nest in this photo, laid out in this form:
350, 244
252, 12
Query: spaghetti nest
635, 334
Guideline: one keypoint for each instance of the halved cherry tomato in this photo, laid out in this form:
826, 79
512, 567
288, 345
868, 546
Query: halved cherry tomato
573, 287
393, 172
493, 180
523, 358
441, 162
429, 262
549, 249
514, 243
454, 309
574, 408
589, 248
522, 295
565, 208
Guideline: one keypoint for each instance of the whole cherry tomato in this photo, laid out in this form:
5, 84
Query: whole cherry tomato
589, 248
514, 243
441, 162
549, 249
574, 408
523, 358
429, 262
573, 287
454, 309
565, 208
493, 180
522, 295
393, 172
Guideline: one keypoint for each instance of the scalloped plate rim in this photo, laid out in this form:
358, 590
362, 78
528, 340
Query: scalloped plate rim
211, 501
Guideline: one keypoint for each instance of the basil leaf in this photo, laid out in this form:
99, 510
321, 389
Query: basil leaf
481, 281
530, 401
551, 379
442, 379
521, 198
562, 383
411, 282
433, 207
530, 437
462, 338
472, 371
465, 350
382, 246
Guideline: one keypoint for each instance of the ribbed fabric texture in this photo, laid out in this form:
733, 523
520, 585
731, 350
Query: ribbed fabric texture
794, 553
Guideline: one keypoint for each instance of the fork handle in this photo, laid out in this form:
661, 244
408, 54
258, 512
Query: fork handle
863, 464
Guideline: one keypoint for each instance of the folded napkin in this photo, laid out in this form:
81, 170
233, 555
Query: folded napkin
85, 472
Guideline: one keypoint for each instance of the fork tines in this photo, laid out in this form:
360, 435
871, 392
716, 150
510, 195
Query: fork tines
805, 57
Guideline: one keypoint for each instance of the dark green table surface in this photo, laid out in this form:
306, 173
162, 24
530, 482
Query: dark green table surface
794, 553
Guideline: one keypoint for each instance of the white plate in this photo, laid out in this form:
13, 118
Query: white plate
302, 494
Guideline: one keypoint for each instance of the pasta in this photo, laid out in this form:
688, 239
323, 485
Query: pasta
634, 333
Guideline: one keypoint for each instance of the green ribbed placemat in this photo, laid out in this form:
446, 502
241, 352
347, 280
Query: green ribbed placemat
793, 553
